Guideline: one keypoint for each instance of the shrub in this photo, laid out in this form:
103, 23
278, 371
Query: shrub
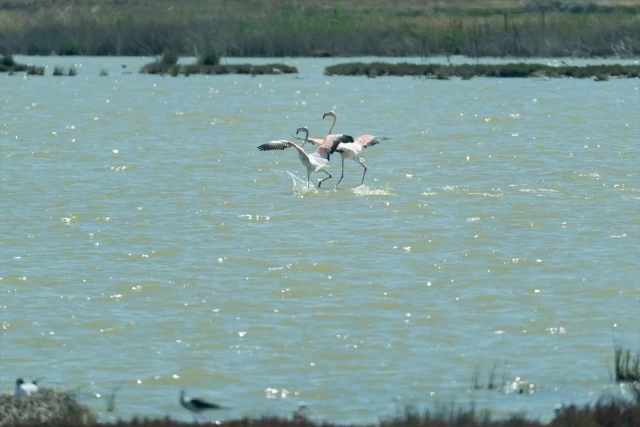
209, 58
7, 61
169, 58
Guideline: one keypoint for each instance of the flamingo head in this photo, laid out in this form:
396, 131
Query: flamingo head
329, 114
303, 129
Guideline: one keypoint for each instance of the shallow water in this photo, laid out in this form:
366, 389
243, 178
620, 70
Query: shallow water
147, 244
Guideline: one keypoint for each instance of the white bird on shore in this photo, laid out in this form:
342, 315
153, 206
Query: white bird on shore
316, 161
196, 405
25, 389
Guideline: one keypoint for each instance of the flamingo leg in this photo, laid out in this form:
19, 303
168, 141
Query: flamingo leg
308, 179
341, 176
365, 171
323, 180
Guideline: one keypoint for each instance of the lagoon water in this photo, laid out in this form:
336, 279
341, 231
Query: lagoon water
147, 244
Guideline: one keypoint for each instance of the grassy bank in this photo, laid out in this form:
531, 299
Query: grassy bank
53, 409
467, 71
609, 413
523, 28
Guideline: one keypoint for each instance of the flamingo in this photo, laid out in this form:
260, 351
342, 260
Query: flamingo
196, 405
350, 150
316, 161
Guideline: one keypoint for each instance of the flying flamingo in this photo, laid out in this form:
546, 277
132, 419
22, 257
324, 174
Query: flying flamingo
316, 161
350, 150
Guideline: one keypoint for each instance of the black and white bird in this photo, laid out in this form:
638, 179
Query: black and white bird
196, 405
25, 389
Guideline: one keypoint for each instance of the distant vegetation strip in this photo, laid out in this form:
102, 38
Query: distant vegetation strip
467, 71
267, 28
177, 69
9, 65
209, 63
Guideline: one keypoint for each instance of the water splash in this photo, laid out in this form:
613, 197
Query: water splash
300, 186
365, 190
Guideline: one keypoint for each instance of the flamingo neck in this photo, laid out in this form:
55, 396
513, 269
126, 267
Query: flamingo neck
332, 125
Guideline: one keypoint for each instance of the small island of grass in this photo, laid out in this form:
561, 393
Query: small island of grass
9, 65
209, 63
468, 71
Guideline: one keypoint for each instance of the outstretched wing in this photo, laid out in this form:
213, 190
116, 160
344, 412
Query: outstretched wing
312, 141
281, 145
330, 144
368, 140
275, 145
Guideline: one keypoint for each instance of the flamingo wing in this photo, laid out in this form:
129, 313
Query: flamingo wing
281, 145
331, 142
275, 145
368, 140
312, 141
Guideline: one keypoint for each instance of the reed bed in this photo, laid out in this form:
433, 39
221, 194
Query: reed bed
62, 71
529, 28
466, 71
626, 365
158, 67
9, 65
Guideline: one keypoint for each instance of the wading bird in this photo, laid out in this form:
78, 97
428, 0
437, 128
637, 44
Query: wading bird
301, 414
196, 405
25, 389
351, 150
316, 161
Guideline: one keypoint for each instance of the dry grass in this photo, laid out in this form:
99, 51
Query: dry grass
606, 412
43, 408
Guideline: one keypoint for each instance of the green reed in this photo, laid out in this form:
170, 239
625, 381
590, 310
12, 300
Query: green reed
288, 28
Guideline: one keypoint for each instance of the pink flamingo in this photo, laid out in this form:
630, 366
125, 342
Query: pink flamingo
316, 161
350, 150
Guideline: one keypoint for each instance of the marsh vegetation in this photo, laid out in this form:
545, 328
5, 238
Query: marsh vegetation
467, 71
541, 28
209, 63
9, 65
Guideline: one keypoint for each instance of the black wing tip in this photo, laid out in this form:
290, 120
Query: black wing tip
377, 140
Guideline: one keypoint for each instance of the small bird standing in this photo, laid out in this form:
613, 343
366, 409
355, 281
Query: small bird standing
196, 405
25, 389
300, 414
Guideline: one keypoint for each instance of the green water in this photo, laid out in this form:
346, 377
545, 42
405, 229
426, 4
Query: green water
146, 242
